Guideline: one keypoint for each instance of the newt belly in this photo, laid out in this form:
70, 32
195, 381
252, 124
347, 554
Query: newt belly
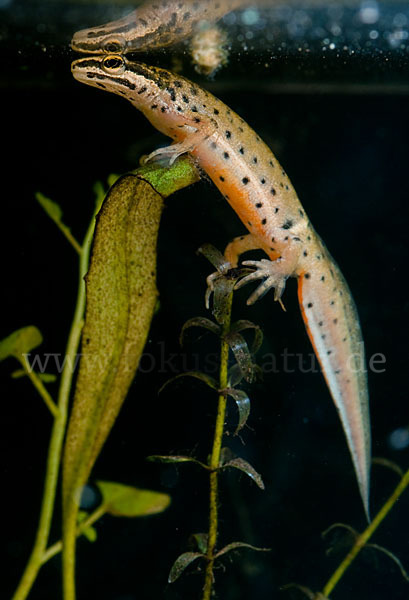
251, 179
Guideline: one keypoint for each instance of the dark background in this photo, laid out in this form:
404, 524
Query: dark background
339, 123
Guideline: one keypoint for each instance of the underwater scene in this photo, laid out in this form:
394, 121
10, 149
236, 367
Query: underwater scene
203, 344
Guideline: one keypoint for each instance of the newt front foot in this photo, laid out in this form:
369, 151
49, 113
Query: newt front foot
267, 270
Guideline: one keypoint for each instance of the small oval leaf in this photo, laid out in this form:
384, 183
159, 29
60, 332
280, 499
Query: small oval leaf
20, 342
243, 465
199, 322
201, 540
207, 379
236, 545
127, 501
222, 290
180, 564
243, 405
242, 354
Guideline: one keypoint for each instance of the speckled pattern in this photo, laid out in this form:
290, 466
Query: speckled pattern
251, 179
155, 24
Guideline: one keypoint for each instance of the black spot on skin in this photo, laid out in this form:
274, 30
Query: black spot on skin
271, 163
185, 98
323, 278
318, 256
226, 196
273, 239
287, 225
245, 180
255, 159
226, 155
323, 336
221, 178
300, 212
262, 181
272, 249
321, 323
335, 321
196, 120
337, 372
286, 187
193, 109
276, 209
332, 302
305, 253
308, 237
228, 134
240, 129
163, 109
264, 221
286, 238
213, 145
171, 93
259, 204
307, 276
296, 239
215, 111
309, 305
272, 191
241, 150
179, 109
193, 90
249, 224
344, 339
186, 16
177, 83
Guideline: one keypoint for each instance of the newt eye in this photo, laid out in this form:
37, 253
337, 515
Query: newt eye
114, 46
113, 64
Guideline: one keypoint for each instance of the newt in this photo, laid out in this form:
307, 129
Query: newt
258, 189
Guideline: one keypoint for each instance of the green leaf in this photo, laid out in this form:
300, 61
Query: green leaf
241, 352
243, 405
199, 322
201, 540
243, 324
174, 459
90, 532
243, 465
21, 341
127, 501
215, 257
52, 209
45, 377
236, 545
207, 379
180, 564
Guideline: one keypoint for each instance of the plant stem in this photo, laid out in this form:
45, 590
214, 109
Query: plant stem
57, 434
57, 547
39, 386
364, 537
215, 456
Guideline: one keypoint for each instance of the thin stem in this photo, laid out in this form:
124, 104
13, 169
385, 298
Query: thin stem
39, 386
58, 430
215, 457
57, 547
364, 537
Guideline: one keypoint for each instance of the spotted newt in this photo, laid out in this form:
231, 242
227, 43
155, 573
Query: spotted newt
251, 179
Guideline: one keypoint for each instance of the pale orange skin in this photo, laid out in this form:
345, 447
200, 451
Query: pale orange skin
251, 179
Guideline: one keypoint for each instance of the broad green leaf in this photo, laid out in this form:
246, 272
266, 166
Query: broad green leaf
243, 465
127, 501
121, 299
21, 341
236, 545
180, 564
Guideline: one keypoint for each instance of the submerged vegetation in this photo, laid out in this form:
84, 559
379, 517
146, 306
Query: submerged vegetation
114, 310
